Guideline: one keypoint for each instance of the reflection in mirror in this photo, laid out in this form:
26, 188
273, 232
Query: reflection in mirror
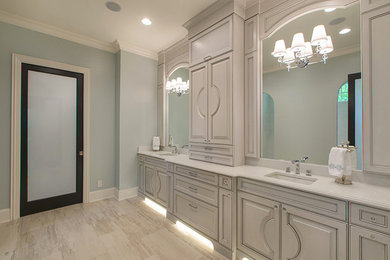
307, 107
177, 108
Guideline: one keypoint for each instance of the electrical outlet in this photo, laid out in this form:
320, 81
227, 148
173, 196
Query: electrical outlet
100, 183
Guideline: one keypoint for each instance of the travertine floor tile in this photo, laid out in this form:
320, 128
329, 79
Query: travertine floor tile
101, 230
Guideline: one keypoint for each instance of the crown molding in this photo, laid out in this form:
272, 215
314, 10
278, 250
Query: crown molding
55, 31
336, 53
126, 46
112, 47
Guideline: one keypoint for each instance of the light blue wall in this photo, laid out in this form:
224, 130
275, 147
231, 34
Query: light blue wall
305, 107
137, 120
14, 39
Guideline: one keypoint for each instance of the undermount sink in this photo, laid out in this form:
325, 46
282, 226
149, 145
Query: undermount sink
292, 178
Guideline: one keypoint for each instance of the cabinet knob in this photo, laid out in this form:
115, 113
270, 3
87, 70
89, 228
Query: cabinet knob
372, 236
276, 206
284, 209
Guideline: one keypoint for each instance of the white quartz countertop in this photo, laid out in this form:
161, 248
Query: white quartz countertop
377, 196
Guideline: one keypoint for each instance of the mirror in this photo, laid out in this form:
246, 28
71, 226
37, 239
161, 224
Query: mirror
307, 101
177, 115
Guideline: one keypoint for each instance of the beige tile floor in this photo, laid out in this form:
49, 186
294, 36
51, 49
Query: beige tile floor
107, 229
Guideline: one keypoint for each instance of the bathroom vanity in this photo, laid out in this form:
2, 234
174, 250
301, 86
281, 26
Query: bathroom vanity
246, 212
254, 212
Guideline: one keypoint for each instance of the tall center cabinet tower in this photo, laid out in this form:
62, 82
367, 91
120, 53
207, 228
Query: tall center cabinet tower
216, 39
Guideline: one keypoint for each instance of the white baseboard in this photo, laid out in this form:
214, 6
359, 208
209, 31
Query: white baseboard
113, 193
5, 215
126, 193
101, 194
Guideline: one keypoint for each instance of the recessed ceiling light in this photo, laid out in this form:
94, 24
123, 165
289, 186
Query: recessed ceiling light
328, 10
146, 21
344, 31
115, 7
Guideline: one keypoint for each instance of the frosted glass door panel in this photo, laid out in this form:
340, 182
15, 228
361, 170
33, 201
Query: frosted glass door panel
51, 135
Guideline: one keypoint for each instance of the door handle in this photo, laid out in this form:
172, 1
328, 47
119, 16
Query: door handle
81, 153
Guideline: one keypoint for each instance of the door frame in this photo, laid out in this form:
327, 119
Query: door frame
17, 61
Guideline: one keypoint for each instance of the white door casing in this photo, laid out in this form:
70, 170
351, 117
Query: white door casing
17, 61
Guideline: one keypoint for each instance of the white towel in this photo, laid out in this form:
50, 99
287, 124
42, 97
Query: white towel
341, 162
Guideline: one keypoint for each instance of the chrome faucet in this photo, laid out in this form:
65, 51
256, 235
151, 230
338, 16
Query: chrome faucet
297, 164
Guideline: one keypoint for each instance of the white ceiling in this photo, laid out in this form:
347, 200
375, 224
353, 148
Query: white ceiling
91, 18
305, 24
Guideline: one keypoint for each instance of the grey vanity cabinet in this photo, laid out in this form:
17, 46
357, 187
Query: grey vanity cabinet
149, 172
258, 226
157, 184
369, 245
306, 235
141, 177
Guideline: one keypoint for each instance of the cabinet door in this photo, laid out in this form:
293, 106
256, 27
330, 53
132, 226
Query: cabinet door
198, 103
149, 180
306, 235
258, 226
162, 187
220, 100
141, 178
212, 42
369, 245
376, 91
225, 218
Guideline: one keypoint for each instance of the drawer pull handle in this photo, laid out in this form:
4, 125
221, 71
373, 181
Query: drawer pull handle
225, 182
373, 219
193, 174
193, 206
207, 57
193, 189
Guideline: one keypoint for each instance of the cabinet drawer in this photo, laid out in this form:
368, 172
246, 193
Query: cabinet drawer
202, 191
141, 157
213, 158
369, 217
212, 149
196, 174
198, 214
315, 203
214, 41
155, 162
225, 182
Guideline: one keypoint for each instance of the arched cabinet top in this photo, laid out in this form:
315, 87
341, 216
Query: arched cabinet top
275, 14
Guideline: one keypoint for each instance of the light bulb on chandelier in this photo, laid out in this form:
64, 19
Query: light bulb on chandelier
178, 86
301, 52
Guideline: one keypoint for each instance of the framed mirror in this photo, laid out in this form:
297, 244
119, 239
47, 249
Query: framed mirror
177, 107
311, 98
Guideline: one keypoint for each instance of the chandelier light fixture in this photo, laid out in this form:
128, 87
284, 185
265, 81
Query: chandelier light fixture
178, 86
300, 52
